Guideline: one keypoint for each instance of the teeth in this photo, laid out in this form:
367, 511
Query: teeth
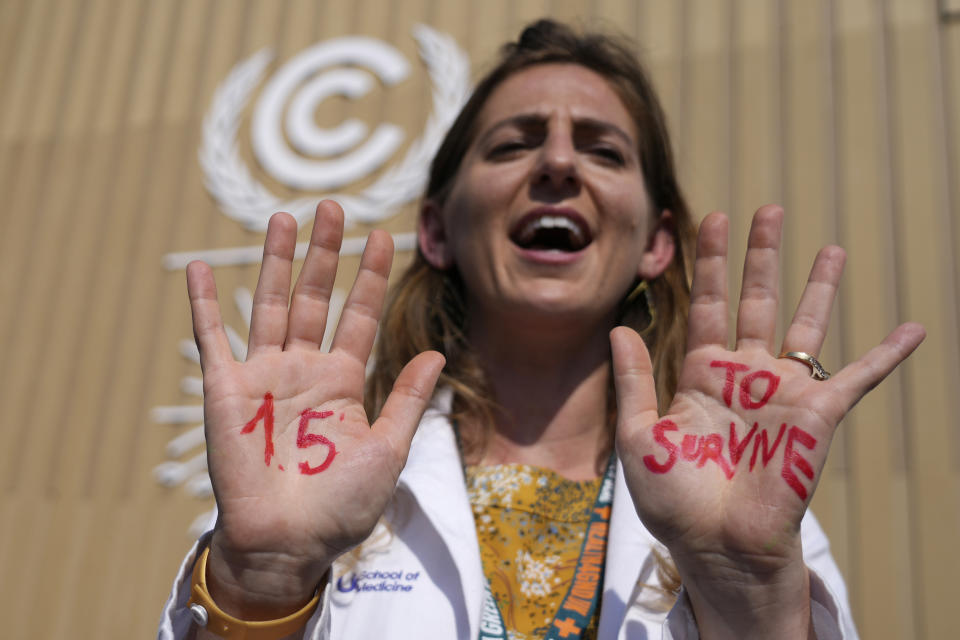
549, 223
557, 222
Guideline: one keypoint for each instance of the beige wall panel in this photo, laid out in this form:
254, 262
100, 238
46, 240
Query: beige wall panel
949, 68
844, 111
808, 150
58, 221
191, 48
50, 341
8, 528
19, 257
881, 578
123, 62
520, 14
706, 116
81, 361
924, 248
950, 74
336, 19
299, 22
615, 15
132, 531
86, 525
572, 11
20, 158
12, 20
109, 309
153, 62
11, 526
21, 78
62, 558
9, 161
483, 20
55, 76
35, 516
451, 18
661, 42
84, 95
755, 95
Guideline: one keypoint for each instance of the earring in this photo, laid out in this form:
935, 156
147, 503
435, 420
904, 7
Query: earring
643, 288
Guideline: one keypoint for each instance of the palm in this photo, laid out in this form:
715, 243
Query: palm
737, 490
275, 504
729, 470
297, 469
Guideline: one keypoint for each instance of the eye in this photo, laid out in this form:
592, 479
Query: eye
608, 154
507, 148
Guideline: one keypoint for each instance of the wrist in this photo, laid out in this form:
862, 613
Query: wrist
262, 585
762, 600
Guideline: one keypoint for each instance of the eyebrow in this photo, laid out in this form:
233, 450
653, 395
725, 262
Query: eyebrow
532, 120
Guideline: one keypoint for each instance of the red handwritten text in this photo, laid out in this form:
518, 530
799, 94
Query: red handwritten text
304, 439
792, 457
265, 413
710, 447
746, 398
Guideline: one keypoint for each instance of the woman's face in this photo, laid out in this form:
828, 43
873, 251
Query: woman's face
549, 213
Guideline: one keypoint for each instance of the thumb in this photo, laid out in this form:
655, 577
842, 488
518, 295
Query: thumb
633, 378
408, 400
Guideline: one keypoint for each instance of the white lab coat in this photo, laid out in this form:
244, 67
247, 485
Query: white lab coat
423, 579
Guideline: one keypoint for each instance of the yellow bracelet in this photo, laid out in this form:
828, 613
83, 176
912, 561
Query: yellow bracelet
208, 615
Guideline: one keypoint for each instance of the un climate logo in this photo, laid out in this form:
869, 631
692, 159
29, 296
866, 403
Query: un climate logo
296, 152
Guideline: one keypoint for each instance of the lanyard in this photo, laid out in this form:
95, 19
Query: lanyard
578, 605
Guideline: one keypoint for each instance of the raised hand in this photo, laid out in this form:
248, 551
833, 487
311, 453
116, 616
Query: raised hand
299, 474
724, 477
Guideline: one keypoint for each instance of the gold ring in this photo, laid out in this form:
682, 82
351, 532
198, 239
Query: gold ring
817, 372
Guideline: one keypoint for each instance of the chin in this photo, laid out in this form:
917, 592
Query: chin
569, 310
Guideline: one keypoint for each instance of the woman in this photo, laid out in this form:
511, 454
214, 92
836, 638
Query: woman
552, 217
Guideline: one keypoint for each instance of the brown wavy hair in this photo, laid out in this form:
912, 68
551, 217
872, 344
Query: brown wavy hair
427, 307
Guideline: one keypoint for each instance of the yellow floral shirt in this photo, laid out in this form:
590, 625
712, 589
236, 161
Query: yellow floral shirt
530, 523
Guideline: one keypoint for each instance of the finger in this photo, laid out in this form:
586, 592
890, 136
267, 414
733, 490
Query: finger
408, 400
207, 324
268, 322
808, 329
633, 378
311, 295
361, 311
853, 381
760, 293
708, 297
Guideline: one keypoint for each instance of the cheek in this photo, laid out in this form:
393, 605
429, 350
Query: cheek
469, 237
626, 201
476, 211
629, 233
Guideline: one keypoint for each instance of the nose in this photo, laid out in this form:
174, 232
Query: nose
557, 165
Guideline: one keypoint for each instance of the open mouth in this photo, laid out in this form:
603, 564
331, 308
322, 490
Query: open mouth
551, 232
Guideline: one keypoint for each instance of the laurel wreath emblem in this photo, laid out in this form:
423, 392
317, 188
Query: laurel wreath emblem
244, 199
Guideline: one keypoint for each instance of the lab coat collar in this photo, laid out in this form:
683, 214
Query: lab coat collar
434, 476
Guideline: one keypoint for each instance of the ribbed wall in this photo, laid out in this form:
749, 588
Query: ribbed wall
846, 112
